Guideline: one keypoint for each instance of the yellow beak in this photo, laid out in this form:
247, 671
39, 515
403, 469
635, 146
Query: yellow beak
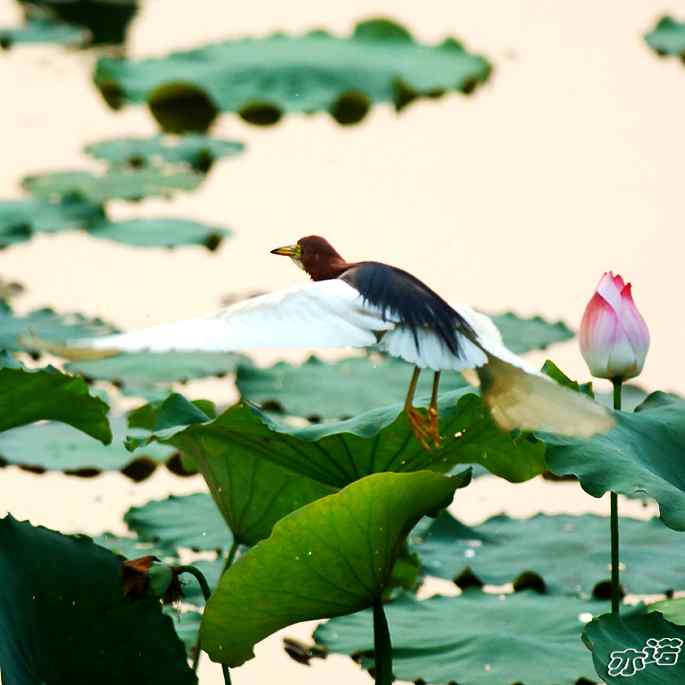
288, 251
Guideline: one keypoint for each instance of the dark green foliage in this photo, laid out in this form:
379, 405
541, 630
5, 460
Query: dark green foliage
27, 396
609, 636
64, 618
640, 457
331, 557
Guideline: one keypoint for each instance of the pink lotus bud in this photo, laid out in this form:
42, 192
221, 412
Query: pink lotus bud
614, 338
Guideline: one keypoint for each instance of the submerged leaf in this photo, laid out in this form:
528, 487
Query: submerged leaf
262, 78
64, 618
474, 639
331, 557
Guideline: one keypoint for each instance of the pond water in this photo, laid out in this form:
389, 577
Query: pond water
566, 164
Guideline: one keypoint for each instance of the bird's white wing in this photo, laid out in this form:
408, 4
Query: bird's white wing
319, 314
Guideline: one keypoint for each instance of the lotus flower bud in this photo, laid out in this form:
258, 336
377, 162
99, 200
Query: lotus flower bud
614, 338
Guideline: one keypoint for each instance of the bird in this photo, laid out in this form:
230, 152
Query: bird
370, 304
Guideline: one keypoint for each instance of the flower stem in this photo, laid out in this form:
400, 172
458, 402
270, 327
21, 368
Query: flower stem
231, 556
382, 648
206, 593
615, 582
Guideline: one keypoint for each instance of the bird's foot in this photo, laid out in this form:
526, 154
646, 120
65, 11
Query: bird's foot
425, 427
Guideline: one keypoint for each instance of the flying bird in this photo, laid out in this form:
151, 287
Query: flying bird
374, 305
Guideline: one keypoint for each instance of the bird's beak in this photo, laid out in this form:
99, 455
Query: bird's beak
294, 251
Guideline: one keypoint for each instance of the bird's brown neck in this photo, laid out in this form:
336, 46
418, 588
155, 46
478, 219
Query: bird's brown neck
324, 268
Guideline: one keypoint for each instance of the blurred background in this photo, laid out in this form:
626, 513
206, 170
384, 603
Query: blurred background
566, 163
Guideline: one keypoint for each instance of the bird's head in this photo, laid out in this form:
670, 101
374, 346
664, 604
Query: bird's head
316, 256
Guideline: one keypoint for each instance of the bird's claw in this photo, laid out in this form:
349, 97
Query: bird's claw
425, 428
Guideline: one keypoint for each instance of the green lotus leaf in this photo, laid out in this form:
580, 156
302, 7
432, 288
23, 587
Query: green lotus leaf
617, 644
475, 639
258, 470
331, 557
128, 547
146, 373
342, 389
160, 233
27, 396
544, 551
672, 610
20, 219
190, 521
262, 78
59, 447
535, 333
196, 151
640, 457
17, 330
43, 31
667, 37
64, 617
106, 21
115, 184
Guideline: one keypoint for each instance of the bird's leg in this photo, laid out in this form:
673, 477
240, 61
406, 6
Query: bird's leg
416, 420
434, 429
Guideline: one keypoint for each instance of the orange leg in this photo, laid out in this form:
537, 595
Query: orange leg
425, 427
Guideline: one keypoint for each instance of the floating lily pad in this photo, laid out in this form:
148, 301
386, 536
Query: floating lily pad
474, 639
342, 389
262, 78
58, 447
191, 521
129, 547
197, 151
331, 557
27, 396
505, 550
43, 31
64, 617
535, 333
187, 626
285, 468
640, 457
640, 646
20, 219
116, 184
16, 330
672, 610
160, 233
667, 37
146, 372
105, 20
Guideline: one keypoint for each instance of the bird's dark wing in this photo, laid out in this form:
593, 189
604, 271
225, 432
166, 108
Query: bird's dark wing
410, 301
